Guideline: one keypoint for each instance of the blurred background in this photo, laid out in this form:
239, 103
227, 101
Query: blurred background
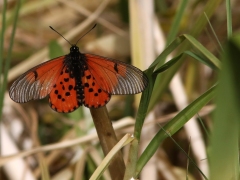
133, 31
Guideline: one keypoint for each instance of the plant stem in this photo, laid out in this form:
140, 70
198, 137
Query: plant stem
108, 140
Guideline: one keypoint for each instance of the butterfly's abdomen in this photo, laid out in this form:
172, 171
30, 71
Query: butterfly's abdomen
78, 66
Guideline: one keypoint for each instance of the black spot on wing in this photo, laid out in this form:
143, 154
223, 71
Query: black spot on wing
115, 67
70, 87
67, 94
35, 74
66, 79
86, 85
67, 70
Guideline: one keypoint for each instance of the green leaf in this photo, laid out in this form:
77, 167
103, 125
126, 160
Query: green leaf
199, 25
209, 59
169, 49
201, 59
224, 152
203, 50
167, 65
3, 81
173, 126
177, 21
229, 18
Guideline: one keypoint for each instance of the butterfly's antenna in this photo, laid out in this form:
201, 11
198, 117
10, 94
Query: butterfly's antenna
60, 35
86, 33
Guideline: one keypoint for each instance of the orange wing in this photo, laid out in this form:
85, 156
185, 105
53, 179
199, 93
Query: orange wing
37, 82
94, 95
116, 77
63, 96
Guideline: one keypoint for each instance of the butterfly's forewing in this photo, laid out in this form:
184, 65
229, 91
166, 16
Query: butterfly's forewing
63, 97
116, 77
94, 95
37, 82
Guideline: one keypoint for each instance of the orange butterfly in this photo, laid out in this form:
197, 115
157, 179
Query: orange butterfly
78, 79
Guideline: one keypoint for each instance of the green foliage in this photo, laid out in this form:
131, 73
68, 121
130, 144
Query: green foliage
224, 151
4, 70
55, 50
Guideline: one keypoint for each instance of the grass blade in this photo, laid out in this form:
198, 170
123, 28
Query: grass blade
211, 61
215, 35
2, 42
229, 18
8, 59
106, 161
176, 22
203, 50
224, 155
199, 25
173, 126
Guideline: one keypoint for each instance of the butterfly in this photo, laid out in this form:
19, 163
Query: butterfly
78, 79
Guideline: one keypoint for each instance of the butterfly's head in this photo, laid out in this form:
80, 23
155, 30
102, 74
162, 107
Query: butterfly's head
74, 49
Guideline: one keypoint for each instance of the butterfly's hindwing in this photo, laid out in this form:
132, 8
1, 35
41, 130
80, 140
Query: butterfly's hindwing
94, 95
63, 97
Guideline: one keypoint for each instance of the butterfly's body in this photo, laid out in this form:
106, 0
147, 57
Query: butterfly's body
78, 79
74, 65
